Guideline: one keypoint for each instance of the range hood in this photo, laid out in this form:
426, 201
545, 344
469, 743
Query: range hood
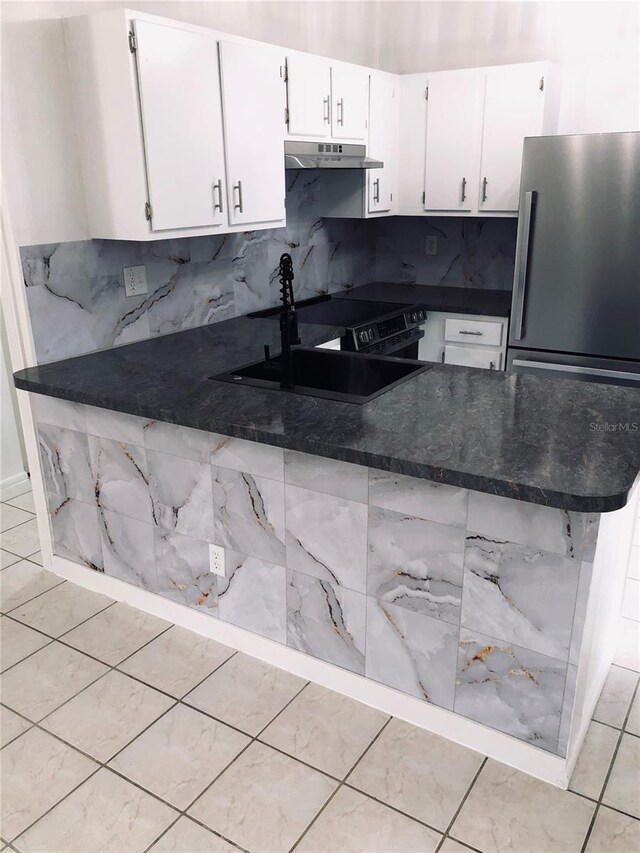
328, 155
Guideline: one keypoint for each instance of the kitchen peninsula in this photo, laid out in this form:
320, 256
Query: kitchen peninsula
461, 539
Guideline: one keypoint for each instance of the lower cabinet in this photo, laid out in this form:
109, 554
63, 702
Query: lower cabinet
490, 359
464, 339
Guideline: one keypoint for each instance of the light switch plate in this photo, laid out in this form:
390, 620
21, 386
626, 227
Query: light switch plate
432, 244
135, 280
216, 560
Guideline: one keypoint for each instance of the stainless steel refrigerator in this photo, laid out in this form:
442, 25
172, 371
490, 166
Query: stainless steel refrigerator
576, 292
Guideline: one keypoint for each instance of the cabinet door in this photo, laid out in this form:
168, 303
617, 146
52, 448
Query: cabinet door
490, 359
453, 140
349, 95
253, 98
309, 95
182, 121
383, 141
513, 109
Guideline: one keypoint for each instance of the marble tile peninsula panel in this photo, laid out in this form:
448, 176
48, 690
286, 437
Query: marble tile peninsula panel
177, 440
249, 514
330, 476
253, 595
181, 495
506, 595
259, 460
66, 466
327, 537
415, 564
75, 531
509, 688
418, 498
120, 478
554, 530
127, 549
183, 571
326, 621
407, 572
409, 651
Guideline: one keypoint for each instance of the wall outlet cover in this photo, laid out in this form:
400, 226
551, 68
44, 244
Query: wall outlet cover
135, 280
432, 245
216, 560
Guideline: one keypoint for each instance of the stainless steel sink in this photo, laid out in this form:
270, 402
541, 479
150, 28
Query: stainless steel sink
331, 374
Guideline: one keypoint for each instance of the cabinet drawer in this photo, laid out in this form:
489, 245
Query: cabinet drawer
486, 332
491, 359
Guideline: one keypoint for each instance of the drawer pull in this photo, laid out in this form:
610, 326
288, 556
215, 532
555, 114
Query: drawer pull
466, 332
464, 189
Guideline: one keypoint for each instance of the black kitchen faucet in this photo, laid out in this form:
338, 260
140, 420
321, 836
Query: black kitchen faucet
288, 320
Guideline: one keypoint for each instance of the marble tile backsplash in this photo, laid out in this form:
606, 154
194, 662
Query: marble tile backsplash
474, 252
438, 592
76, 297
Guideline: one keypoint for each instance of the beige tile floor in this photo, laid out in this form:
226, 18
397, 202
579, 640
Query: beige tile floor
111, 741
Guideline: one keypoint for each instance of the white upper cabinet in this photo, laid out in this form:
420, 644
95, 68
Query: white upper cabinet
452, 151
471, 125
383, 141
309, 95
253, 98
326, 100
349, 90
513, 108
182, 121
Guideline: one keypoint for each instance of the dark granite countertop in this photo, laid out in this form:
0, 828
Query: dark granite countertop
524, 437
457, 300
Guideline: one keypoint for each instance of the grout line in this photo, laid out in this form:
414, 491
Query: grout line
462, 802
341, 783
33, 598
609, 771
104, 764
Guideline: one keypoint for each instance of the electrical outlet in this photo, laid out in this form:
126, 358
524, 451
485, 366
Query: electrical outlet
216, 560
135, 280
432, 245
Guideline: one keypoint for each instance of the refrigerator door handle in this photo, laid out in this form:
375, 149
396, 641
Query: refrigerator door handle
522, 259
575, 368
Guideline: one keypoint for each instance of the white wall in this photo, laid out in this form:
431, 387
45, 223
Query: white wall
11, 456
597, 43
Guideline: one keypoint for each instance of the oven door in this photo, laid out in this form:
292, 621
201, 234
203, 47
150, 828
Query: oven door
403, 345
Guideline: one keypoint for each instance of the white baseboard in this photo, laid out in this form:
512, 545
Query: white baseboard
16, 480
550, 768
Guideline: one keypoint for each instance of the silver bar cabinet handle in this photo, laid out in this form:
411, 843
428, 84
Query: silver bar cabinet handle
217, 188
376, 191
327, 111
341, 111
576, 368
465, 332
522, 259
484, 189
238, 206
464, 189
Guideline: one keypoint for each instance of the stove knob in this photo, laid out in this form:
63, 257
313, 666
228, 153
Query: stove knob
414, 317
363, 337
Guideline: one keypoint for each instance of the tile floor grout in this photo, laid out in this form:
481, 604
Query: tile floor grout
105, 764
461, 806
342, 782
603, 789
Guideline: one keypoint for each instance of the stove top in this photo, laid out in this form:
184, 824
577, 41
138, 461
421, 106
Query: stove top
344, 312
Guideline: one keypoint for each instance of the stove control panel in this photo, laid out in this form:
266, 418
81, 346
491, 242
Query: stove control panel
388, 326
